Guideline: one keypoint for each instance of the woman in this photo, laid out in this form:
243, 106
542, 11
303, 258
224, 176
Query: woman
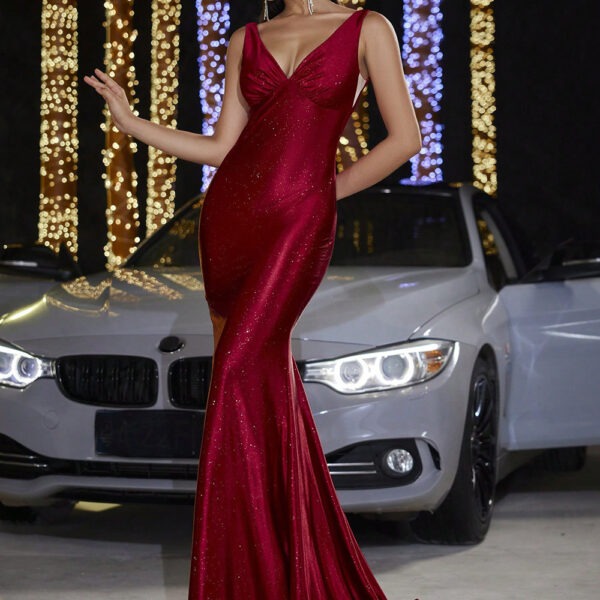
268, 524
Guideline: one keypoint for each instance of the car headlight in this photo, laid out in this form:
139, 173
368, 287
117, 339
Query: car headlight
389, 367
19, 368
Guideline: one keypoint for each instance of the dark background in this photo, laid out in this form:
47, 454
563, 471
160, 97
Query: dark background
547, 118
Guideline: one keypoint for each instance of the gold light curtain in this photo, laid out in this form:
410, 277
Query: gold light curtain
164, 96
59, 136
483, 100
58, 129
120, 178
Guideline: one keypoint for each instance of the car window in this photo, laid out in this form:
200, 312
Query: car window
498, 260
373, 229
400, 230
174, 245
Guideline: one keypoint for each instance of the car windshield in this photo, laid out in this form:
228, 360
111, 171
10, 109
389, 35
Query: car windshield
373, 229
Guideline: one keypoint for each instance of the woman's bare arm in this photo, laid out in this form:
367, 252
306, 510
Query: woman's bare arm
384, 65
193, 147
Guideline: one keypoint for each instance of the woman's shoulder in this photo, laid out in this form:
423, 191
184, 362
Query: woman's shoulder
237, 36
378, 29
376, 21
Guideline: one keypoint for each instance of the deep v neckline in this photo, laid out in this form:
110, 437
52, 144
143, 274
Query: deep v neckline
313, 51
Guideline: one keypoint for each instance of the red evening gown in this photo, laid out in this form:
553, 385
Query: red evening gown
268, 524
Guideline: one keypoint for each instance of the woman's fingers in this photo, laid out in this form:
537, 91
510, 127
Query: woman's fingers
103, 82
94, 82
108, 81
91, 81
104, 90
114, 96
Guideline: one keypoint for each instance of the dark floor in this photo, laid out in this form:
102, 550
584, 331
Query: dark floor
544, 544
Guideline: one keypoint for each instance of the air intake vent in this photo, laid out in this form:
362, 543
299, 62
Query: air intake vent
109, 380
189, 381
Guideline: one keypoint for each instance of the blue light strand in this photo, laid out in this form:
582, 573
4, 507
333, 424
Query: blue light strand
213, 25
423, 59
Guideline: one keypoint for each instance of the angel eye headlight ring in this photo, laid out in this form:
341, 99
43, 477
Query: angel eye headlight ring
19, 368
394, 366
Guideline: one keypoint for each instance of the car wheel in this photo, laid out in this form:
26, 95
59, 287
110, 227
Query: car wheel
464, 516
563, 460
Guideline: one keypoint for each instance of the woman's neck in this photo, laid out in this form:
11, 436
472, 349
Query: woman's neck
300, 7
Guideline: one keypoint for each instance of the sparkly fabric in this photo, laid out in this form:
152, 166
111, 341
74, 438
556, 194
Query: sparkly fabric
268, 524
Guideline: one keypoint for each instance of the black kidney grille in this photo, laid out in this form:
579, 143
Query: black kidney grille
109, 380
189, 381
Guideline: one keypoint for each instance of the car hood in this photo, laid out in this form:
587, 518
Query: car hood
16, 290
369, 305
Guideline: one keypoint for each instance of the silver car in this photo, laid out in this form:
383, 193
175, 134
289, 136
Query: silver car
435, 360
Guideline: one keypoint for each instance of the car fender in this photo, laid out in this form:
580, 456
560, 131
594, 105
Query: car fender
479, 321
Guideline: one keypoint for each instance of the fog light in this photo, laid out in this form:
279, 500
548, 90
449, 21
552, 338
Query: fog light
399, 461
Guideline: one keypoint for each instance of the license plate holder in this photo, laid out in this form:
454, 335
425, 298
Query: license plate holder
149, 433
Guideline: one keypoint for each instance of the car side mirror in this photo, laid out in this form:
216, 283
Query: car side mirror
37, 260
571, 259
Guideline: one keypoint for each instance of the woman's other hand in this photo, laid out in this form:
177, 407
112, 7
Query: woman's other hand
116, 98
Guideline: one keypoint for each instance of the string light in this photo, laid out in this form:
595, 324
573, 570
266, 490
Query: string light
59, 142
353, 141
83, 289
160, 204
423, 57
120, 178
213, 25
108, 291
483, 101
190, 282
147, 282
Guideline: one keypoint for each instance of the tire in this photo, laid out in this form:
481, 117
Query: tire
563, 460
464, 516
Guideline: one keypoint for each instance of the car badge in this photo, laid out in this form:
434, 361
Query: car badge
171, 343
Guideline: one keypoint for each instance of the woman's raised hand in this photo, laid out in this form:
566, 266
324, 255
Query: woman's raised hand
116, 98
